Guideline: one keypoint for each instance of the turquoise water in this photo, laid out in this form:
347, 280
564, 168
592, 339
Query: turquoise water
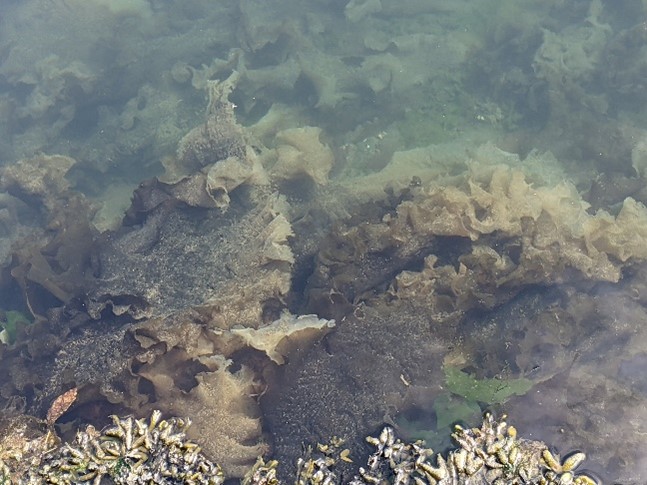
459, 167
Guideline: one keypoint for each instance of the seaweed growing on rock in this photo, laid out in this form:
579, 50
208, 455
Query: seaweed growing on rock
52, 263
199, 280
160, 337
513, 235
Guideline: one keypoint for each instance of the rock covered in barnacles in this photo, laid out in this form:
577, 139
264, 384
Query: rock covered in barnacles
262, 473
23, 439
491, 454
230, 281
130, 452
154, 450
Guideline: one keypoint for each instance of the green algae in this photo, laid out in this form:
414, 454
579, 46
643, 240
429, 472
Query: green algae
489, 391
450, 409
11, 323
463, 401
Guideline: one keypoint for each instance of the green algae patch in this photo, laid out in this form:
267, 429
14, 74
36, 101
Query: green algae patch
489, 391
450, 409
11, 322
466, 395
463, 401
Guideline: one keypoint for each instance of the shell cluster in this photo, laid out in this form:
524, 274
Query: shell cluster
262, 473
140, 451
491, 454
130, 452
317, 467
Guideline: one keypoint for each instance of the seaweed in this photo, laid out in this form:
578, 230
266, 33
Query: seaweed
451, 409
12, 322
489, 390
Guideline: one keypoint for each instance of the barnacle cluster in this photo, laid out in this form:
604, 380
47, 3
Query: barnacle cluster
318, 466
130, 452
155, 451
491, 454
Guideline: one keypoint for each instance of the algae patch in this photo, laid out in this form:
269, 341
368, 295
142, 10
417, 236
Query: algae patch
489, 391
11, 323
466, 393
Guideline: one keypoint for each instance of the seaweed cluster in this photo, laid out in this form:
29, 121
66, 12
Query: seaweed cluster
205, 343
340, 171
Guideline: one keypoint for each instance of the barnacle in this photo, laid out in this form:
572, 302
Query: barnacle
132, 452
490, 454
561, 471
262, 473
155, 450
570, 462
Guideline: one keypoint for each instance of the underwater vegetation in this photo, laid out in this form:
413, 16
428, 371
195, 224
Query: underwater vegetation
290, 220
478, 262
491, 391
465, 394
12, 322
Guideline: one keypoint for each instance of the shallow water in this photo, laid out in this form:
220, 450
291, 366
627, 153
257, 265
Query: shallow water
363, 116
